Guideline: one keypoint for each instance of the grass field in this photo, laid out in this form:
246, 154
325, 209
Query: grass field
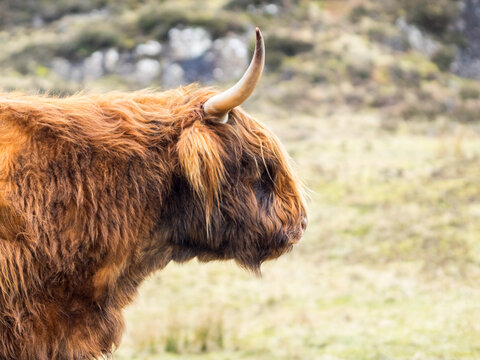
388, 268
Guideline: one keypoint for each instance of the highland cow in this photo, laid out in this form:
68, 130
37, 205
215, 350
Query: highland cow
97, 192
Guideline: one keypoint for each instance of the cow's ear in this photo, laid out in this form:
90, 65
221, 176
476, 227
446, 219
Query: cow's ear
200, 154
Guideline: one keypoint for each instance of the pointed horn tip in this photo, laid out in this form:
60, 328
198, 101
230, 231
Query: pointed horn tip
259, 36
259, 45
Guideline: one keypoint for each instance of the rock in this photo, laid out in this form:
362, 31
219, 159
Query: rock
467, 63
227, 59
38, 22
150, 48
271, 9
61, 66
467, 67
230, 58
173, 76
146, 71
417, 39
126, 65
93, 66
76, 73
191, 56
198, 69
68, 70
188, 43
111, 59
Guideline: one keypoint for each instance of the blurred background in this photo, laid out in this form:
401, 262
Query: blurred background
378, 103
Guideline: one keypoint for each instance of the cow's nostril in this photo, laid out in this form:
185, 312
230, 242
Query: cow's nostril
304, 222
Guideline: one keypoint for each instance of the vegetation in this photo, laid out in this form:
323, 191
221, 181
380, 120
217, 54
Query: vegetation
157, 20
435, 16
387, 141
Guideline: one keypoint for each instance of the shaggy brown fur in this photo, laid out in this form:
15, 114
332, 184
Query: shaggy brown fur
96, 192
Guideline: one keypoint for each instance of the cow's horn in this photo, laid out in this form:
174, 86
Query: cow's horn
220, 104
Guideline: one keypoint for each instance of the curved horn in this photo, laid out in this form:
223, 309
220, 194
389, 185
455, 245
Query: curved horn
220, 104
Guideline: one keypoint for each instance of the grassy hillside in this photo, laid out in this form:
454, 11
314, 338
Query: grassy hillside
383, 133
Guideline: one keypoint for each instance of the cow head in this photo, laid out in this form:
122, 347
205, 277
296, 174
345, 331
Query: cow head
233, 194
